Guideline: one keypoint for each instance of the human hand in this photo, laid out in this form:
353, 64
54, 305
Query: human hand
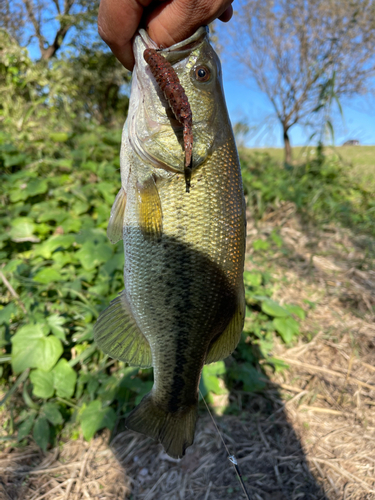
167, 22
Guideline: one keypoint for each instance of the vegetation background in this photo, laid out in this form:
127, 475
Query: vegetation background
60, 132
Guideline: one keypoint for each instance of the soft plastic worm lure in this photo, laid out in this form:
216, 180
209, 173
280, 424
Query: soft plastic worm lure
169, 83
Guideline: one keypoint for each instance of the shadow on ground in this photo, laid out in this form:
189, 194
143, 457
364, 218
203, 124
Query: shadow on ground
269, 454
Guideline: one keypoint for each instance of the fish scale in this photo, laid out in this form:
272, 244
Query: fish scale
183, 303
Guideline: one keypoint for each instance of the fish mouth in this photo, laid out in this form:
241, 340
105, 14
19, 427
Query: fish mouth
157, 112
174, 54
180, 50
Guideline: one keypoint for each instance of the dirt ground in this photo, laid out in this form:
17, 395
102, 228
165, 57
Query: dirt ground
311, 435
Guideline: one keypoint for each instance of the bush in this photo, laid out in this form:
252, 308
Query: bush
320, 188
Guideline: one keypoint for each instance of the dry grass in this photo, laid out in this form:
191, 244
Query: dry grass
311, 435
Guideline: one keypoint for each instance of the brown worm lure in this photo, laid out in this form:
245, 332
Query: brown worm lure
169, 83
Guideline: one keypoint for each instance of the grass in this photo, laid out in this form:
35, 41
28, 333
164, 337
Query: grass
321, 185
358, 161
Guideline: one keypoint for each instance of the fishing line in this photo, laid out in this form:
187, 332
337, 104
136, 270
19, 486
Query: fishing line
232, 459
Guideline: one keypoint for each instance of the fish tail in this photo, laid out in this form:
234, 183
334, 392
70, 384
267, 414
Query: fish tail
174, 430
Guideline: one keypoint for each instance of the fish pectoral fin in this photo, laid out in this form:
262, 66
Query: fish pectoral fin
116, 219
118, 335
149, 208
227, 342
174, 430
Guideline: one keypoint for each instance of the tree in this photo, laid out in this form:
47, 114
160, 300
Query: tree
47, 21
100, 84
11, 23
295, 49
84, 83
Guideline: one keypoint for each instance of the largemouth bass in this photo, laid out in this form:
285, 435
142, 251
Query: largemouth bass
183, 303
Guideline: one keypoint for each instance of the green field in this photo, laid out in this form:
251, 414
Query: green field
358, 160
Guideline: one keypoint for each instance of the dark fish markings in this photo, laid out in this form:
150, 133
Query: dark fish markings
169, 83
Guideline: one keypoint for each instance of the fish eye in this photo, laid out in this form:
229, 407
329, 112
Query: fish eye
202, 74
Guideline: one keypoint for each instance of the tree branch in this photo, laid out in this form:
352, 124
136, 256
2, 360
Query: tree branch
56, 44
30, 12
56, 2
49, 50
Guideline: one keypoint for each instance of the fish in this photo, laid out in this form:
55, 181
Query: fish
183, 304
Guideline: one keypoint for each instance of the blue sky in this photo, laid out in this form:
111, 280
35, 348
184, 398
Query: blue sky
246, 103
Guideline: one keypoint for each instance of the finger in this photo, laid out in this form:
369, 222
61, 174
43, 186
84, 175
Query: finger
176, 20
118, 21
226, 15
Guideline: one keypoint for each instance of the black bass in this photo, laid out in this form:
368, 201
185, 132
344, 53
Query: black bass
183, 303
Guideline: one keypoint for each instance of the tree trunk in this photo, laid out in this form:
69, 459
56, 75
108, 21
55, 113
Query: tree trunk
287, 147
50, 51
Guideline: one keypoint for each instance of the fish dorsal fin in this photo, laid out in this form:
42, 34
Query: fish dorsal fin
150, 214
228, 340
118, 335
116, 219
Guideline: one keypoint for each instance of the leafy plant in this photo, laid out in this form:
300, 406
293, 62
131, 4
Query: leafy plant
320, 188
265, 319
58, 272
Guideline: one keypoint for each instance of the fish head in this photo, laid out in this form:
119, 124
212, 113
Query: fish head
153, 131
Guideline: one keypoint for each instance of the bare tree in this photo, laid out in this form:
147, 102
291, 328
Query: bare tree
13, 24
46, 20
294, 49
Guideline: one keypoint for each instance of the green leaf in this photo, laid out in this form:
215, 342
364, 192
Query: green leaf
64, 379
94, 417
147, 386
42, 383
278, 364
91, 255
41, 432
52, 413
297, 310
21, 228
272, 308
71, 224
115, 262
53, 243
25, 428
56, 215
26, 397
59, 136
14, 387
48, 275
277, 239
210, 382
287, 328
215, 369
55, 321
36, 186
250, 377
260, 245
7, 312
66, 163
252, 279
80, 207
11, 160
32, 349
